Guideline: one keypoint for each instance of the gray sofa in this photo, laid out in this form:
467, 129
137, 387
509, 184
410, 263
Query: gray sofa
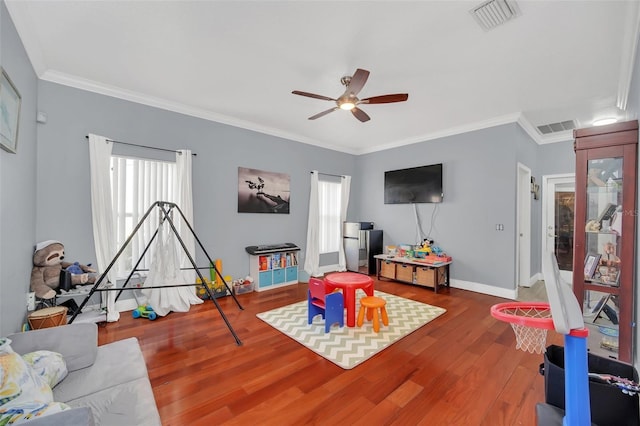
106, 385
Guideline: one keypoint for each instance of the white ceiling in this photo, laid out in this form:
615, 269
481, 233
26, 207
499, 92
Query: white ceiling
236, 62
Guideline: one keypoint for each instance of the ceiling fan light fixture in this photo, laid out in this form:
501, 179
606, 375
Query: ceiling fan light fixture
347, 106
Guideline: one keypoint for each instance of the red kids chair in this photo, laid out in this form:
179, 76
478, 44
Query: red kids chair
330, 306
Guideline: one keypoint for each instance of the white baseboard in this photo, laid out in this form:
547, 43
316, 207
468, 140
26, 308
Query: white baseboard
484, 289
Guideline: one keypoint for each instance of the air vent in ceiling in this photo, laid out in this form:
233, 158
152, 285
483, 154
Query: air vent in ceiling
493, 13
563, 126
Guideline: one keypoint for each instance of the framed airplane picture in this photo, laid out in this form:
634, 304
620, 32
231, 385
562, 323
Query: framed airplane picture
261, 191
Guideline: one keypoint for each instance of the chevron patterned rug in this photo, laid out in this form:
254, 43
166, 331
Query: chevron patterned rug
348, 347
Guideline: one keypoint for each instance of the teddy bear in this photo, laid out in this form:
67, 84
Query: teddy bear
47, 264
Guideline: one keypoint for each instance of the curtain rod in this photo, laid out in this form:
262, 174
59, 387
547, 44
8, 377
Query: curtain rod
329, 174
146, 146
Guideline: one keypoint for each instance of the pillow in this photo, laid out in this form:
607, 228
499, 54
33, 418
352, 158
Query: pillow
5, 346
29, 410
19, 383
50, 366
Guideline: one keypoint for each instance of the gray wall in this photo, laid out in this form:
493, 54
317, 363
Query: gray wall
64, 185
479, 170
17, 185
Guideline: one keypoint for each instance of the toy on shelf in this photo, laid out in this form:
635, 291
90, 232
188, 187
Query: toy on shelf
144, 311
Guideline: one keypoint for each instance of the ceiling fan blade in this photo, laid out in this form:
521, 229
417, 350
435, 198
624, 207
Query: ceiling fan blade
358, 80
360, 114
323, 113
386, 99
312, 95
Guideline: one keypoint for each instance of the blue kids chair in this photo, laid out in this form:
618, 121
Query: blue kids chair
330, 306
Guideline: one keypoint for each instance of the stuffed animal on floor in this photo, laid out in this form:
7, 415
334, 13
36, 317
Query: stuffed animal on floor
47, 264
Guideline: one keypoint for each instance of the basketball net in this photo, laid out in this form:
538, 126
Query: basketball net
530, 339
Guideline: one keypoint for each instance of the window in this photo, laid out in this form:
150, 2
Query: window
329, 204
135, 185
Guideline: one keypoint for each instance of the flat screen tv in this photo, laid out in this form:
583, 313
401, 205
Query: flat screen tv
415, 185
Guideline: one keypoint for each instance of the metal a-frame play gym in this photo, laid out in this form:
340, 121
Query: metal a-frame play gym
165, 214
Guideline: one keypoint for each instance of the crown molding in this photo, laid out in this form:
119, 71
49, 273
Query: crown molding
128, 95
131, 96
470, 127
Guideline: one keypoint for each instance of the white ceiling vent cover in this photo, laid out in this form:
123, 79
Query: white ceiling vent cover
563, 126
493, 13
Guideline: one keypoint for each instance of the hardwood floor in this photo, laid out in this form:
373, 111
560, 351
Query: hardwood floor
460, 369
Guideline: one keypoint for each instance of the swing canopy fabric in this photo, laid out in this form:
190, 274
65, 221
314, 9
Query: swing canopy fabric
165, 272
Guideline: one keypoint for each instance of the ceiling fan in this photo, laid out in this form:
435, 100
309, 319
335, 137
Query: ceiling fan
349, 101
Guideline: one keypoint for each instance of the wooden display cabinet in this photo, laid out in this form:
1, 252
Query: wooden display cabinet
604, 240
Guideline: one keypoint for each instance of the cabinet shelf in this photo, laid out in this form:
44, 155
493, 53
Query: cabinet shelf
596, 286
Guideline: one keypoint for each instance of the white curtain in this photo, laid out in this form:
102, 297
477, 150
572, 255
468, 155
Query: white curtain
312, 257
345, 188
165, 271
185, 202
102, 213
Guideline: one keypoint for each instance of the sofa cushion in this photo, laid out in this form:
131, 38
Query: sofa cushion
76, 342
130, 403
116, 363
50, 366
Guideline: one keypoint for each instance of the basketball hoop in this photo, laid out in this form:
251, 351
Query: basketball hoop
530, 322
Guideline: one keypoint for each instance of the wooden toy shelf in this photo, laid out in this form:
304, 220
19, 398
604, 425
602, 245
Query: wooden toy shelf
413, 271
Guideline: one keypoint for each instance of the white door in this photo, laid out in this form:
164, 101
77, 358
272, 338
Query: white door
523, 227
558, 206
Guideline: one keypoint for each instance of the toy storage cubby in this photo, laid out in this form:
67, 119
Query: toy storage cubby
274, 270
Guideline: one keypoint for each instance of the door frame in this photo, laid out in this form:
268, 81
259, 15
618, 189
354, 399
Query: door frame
548, 184
523, 221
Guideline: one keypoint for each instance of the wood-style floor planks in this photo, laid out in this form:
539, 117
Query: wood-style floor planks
460, 369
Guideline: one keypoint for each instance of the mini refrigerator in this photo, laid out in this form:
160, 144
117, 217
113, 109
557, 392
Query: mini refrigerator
361, 243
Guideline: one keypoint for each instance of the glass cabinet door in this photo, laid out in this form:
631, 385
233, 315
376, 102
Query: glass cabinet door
603, 220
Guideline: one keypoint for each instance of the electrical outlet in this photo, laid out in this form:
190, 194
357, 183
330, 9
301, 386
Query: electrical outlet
31, 301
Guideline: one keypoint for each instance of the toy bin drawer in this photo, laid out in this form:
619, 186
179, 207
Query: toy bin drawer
404, 273
425, 276
292, 273
265, 279
429, 276
278, 276
388, 270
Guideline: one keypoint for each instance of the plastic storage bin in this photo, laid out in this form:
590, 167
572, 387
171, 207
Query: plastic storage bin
609, 406
242, 288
